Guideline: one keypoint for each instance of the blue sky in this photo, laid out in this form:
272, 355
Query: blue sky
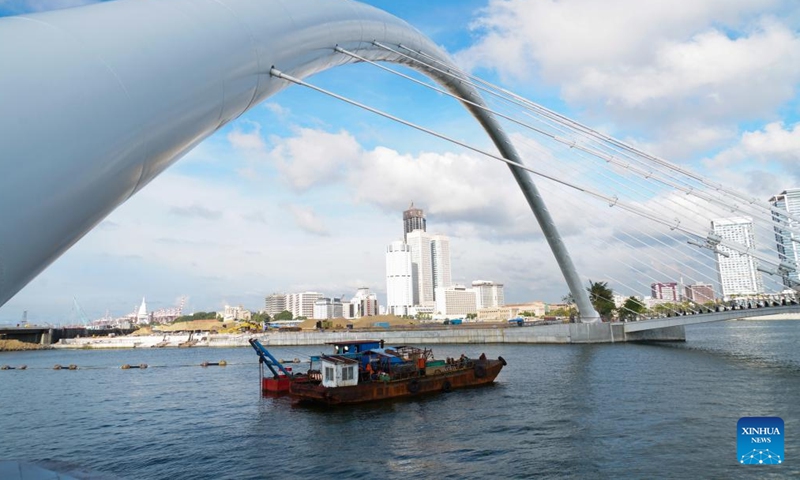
252, 210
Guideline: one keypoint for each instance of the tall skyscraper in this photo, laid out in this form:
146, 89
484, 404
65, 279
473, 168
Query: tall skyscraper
413, 219
788, 251
440, 262
738, 273
419, 242
399, 279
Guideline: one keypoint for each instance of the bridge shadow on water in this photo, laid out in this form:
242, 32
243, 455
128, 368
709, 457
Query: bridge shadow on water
754, 344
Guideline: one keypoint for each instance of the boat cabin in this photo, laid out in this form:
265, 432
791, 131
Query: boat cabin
338, 371
354, 347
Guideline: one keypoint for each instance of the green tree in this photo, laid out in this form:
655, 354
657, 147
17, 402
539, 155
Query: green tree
602, 298
471, 316
560, 312
284, 315
197, 316
632, 308
260, 317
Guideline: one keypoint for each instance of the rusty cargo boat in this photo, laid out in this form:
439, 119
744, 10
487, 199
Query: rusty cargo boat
359, 372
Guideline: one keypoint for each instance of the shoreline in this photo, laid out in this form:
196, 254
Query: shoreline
564, 333
452, 335
18, 346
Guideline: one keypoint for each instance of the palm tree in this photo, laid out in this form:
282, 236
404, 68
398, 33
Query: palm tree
602, 298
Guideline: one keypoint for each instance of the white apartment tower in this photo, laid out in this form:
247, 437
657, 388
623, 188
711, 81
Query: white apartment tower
440, 262
488, 294
363, 304
302, 304
788, 248
738, 273
399, 279
419, 242
455, 300
327, 308
274, 304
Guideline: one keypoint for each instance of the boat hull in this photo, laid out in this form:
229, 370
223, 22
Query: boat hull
482, 373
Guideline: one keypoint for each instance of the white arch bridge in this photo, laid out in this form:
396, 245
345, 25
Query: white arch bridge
97, 101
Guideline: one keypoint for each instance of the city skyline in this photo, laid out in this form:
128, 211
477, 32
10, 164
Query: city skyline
290, 197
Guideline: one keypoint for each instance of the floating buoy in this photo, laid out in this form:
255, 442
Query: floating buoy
72, 366
56, 367
5, 367
221, 363
22, 367
141, 365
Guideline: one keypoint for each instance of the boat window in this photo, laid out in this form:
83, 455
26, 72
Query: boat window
347, 373
329, 373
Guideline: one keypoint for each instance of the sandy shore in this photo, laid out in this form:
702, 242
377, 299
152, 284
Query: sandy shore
17, 346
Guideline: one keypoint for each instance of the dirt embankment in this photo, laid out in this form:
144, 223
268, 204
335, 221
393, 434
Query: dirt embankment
16, 346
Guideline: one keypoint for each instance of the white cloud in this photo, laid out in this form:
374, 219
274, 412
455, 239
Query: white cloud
773, 143
659, 62
251, 140
308, 221
763, 162
711, 73
278, 110
313, 156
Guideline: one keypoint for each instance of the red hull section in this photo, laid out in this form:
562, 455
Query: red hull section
280, 384
483, 372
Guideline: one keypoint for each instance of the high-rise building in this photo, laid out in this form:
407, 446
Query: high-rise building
700, 293
413, 219
665, 291
326, 308
399, 279
275, 304
738, 273
788, 248
488, 294
302, 304
363, 304
421, 267
235, 313
455, 300
440, 262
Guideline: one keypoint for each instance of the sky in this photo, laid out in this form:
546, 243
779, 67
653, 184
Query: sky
304, 193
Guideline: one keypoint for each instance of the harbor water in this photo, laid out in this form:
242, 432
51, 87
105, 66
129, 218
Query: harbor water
556, 411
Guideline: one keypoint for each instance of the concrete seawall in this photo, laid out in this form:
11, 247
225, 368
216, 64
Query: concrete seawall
543, 334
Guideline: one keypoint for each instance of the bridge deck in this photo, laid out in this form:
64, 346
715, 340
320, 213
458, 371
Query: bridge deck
692, 319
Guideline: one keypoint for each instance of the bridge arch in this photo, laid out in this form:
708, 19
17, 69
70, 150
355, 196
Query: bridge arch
105, 97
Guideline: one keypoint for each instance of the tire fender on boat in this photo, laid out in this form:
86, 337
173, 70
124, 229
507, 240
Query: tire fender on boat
413, 386
446, 386
502, 360
480, 371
